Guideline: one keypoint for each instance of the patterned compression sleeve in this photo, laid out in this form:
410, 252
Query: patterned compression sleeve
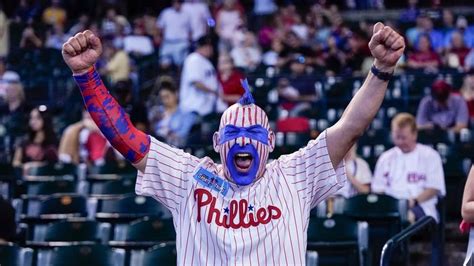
111, 118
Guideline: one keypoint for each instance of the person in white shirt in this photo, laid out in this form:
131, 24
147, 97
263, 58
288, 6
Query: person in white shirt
199, 84
358, 174
199, 15
175, 27
410, 170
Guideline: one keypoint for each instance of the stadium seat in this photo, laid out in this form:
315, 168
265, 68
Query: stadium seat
55, 207
45, 188
144, 233
128, 209
164, 253
111, 169
12, 255
113, 188
81, 255
339, 240
74, 231
57, 171
385, 215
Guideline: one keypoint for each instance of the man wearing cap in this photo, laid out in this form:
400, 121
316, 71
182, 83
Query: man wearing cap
243, 210
442, 109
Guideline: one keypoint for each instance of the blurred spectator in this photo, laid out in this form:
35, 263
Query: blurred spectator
442, 109
228, 19
138, 43
247, 54
30, 39
168, 121
229, 78
457, 51
467, 92
55, 14
199, 17
410, 14
262, 11
199, 85
469, 61
13, 116
7, 222
83, 142
331, 58
56, 37
297, 92
117, 67
81, 25
4, 33
410, 170
267, 33
114, 24
424, 57
27, 11
448, 23
356, 53
300, 29
40, 145
175, 27
277, 55
358, 174
424, 26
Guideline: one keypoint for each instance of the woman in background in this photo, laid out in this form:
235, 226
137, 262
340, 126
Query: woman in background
40, 145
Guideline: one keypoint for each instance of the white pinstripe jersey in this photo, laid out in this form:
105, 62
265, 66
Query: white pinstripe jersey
269, 217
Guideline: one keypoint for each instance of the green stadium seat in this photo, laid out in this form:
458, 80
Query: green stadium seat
12, 255
54, 207
144, 233
339, 240
72, 232
385, 215
113, 188
128, 209
81, 255
164, 253
51, 171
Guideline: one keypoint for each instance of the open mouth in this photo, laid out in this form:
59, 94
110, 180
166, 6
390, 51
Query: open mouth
243, 161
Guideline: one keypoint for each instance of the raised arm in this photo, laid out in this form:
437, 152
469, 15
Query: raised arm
80, 53
387, 47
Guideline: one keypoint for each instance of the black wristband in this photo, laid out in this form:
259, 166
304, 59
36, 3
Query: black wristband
381, 75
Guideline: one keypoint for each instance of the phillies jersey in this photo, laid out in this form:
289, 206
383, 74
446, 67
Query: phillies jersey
220, 223
406, 175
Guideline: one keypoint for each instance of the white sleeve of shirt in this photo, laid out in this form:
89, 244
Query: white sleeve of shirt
194, 70
160, 21
435, 173
167, 174
310, 169
379, 182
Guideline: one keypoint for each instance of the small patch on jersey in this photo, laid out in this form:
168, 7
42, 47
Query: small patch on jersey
210, 180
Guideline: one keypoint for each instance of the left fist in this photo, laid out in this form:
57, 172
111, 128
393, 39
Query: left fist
386, 46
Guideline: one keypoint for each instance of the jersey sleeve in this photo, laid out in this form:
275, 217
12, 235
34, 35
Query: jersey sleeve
435, 174
311, 171
379, 181
166, 175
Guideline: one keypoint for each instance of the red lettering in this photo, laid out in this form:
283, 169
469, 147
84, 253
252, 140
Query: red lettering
238, 212
199, 197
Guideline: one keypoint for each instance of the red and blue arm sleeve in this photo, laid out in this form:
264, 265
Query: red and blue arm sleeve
111, 119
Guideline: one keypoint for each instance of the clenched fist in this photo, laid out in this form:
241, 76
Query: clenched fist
386, 46
82, 51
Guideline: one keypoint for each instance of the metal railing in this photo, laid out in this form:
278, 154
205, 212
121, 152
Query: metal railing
395, 241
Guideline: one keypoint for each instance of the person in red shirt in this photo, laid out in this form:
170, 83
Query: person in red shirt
229, 78
424, 57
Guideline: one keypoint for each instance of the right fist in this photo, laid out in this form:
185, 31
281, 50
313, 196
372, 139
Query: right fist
82, 51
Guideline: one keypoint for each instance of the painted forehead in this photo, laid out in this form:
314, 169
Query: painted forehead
244, 116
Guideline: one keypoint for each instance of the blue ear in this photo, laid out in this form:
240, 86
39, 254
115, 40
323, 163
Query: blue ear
247, 98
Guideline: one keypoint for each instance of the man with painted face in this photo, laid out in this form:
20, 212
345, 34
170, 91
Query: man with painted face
245, 210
